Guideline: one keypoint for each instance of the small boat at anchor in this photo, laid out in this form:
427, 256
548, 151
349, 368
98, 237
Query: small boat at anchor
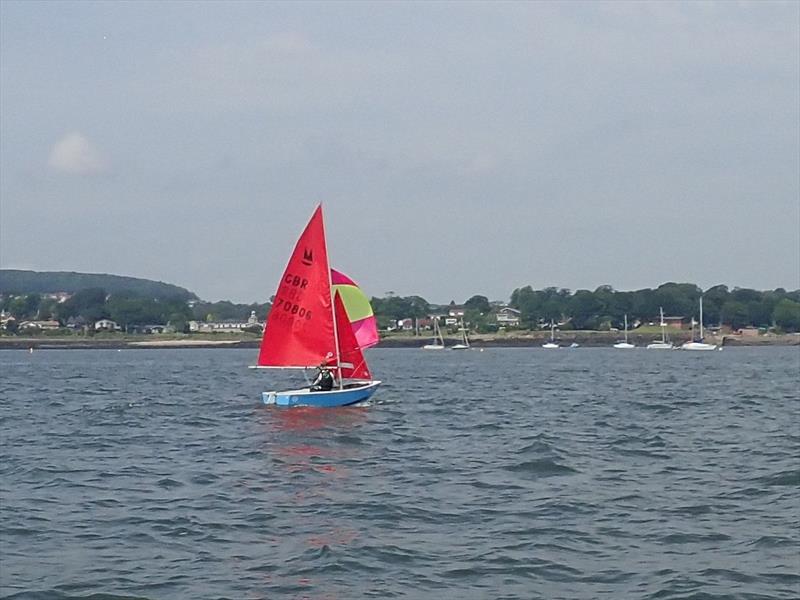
320, 319
698, 344
552, 344
438, 341
625, 345
663, 344
464, 345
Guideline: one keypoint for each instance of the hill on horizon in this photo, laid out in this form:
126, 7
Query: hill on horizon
17, 281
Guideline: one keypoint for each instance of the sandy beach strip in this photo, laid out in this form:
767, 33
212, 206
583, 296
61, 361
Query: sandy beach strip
172, 343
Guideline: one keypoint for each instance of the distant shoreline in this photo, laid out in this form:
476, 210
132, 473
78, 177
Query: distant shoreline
533, 340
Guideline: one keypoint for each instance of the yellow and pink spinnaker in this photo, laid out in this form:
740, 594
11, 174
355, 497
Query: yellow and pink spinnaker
358, 308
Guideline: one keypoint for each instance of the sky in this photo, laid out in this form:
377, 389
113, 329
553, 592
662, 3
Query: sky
458, 148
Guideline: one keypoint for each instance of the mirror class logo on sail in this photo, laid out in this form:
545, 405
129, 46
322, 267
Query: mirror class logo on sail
288, 303
308, 257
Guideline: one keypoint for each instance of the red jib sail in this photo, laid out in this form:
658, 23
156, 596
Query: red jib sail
299, 329
354, 366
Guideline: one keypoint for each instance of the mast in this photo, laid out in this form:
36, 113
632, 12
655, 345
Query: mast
626, 328
701, 318
663, 330
333, 308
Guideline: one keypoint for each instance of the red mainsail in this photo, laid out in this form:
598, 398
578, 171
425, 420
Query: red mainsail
350, 351
299, 328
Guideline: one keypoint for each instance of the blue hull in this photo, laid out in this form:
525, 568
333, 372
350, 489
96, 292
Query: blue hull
305, 397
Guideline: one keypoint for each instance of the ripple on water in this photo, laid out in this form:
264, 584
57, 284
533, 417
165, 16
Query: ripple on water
540, 468
158, 474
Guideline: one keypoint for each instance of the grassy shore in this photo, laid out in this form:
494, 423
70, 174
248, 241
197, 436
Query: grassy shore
496, 340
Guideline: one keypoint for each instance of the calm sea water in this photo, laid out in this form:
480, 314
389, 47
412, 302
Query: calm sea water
509, 473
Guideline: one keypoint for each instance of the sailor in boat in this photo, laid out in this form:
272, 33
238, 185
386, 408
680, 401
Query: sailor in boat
323, 382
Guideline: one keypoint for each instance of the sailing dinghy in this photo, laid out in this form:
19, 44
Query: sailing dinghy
319, 319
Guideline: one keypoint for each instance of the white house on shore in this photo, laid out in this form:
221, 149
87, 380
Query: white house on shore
227, 326
48, 325
508, 317
7, 320
106, 325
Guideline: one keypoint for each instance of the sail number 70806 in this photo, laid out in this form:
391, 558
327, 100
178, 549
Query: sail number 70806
291, 308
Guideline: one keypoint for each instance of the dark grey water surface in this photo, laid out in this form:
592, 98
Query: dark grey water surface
509, 473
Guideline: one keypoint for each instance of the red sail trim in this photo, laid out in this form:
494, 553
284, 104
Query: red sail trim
349, 350
299, 329
339, 278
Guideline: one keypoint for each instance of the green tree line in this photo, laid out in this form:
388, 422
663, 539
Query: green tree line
20, 282
602, 308
605, 307
128, 309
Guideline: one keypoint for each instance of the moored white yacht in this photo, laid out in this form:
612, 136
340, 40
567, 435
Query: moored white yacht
552, 343
663, 344
464, 345
698, 344
625, 345
438, 340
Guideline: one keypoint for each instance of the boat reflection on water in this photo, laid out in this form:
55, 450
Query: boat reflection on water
312, 439
306, 419
315, 449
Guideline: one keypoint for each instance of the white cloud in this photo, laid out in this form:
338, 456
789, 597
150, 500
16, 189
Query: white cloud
75, 154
